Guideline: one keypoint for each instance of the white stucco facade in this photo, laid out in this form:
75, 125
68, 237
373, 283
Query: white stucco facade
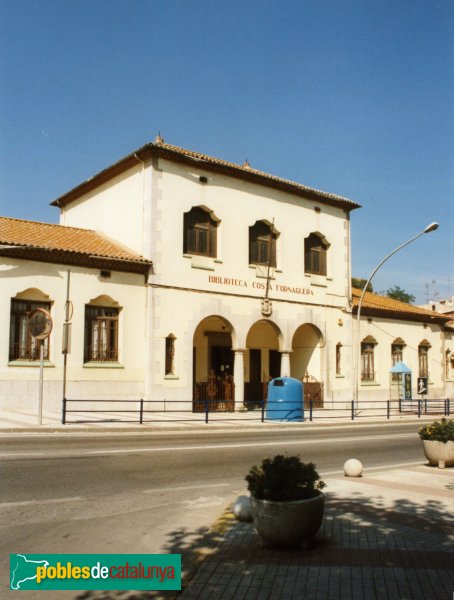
43, 282
186, 289
207, 309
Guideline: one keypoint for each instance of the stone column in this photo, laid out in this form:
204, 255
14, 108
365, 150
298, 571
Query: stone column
285, 363
238, 378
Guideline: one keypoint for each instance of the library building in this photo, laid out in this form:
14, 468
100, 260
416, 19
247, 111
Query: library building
177, 277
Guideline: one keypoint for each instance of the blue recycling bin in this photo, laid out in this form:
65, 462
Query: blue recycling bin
285, 400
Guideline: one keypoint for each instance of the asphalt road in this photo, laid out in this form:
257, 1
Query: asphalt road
155, 492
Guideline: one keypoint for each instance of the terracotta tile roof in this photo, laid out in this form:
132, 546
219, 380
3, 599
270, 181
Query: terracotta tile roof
176, 153
246, 167
377, 304
48, 240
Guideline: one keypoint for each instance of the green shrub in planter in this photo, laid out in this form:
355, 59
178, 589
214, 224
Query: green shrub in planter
438, 431
284, 479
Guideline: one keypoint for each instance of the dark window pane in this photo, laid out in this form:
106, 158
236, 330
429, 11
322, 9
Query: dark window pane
22, 346
199, 235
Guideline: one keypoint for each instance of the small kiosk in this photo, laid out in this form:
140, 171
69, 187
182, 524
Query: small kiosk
400, 384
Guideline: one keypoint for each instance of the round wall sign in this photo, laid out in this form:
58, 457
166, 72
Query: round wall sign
40, 324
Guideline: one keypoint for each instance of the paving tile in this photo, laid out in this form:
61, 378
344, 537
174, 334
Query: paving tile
369, 548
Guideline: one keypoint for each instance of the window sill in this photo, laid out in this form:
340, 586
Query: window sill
318, 280
340, 376
261, 271
207, 263
171, 377
102, 365
30, 363
370, 383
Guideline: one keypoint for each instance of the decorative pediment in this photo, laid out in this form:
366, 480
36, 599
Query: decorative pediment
321, 237
33, 294
369, 340
104, 300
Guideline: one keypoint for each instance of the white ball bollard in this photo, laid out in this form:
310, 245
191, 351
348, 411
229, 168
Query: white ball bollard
242, 509
353, 468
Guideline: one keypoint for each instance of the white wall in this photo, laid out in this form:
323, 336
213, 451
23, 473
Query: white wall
385, 331
239, 205
18, 379
114, 208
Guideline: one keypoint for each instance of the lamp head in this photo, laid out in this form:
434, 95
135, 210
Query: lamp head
431, 227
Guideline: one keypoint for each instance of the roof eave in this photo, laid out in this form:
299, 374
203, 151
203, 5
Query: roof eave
370, 311
148, 150
66, 257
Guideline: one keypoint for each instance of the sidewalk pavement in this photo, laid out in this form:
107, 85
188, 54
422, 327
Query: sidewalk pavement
386, 535
27, 421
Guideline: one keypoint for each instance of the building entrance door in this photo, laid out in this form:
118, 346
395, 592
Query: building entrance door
221, 360
254, 389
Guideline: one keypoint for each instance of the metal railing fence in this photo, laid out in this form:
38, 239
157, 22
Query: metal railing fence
139, 411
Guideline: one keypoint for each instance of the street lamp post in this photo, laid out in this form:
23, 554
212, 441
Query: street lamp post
357, 345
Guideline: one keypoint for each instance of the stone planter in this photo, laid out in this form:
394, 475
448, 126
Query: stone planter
438, 453
288, 524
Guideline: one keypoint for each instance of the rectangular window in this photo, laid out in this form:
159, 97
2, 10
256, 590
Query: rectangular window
423, 355
338, 359
170, 353
199, 233
101, 334
397, 353
22, 346
367, 362
314, 255
262, 245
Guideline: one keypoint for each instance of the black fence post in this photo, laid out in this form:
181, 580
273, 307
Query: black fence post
141, 411
63, 415
353, 410
263, 410
388, 408
400, 405
447, 404
206, 410
419, 407
310, 410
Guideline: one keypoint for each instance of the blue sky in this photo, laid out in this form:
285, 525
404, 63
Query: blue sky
352, 97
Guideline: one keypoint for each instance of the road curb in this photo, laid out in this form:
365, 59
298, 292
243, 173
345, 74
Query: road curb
209, 427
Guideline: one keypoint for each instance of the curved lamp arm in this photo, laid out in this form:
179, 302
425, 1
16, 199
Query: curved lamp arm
428, 229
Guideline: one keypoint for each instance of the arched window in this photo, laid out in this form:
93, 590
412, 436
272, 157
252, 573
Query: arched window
199, 235
367, 358
449, 362
397, 355
22, 346
423, 358
262, 244
315, 247
338, 358
170, 354
101, 330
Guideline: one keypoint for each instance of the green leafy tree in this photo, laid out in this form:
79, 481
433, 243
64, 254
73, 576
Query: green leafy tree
397, 293
359, 283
